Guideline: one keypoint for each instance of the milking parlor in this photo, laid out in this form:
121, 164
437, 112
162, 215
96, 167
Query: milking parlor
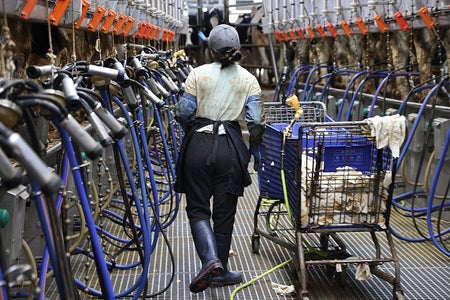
224, 149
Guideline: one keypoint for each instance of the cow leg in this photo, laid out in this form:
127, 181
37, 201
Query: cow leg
400, 55
340, 48
425, 45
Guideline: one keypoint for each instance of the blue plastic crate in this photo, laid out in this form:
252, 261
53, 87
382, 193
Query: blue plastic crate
358, 157
270, 184
333, 147
338, 152
341, 148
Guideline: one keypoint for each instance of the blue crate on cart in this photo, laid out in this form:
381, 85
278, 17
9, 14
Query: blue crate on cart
339, 150
336, 154
358, 157
270, 185
344, 167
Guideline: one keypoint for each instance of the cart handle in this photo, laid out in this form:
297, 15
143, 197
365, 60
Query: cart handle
292, 101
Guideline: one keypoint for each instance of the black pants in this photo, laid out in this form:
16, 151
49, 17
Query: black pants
203, 182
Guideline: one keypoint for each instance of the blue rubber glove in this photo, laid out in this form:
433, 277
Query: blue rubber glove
255, 151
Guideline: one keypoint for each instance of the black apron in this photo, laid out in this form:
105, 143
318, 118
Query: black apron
239, 176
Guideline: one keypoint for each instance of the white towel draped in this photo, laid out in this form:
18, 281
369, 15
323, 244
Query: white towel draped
389, 130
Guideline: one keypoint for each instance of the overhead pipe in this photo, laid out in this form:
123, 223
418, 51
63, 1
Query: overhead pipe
325, 11
326, 14
311, 20
302, 15
293, 4
277, 16
313, 10
375, 3
339, 7
268, 12
167, 13
294, 24
284, 21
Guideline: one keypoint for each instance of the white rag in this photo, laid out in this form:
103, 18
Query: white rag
363, 272
362, 269
284, 290
389, 130
397, 134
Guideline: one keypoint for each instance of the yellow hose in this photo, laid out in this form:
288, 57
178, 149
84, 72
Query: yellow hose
258, 278
285, 195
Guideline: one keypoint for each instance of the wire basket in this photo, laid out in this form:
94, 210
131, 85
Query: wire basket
313, 111
343, 179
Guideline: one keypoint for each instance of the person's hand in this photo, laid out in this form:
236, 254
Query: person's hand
255, 151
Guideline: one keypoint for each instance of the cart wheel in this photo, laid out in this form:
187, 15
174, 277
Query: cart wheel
255, 243
330, 270
304, 297
398, 295
339, 277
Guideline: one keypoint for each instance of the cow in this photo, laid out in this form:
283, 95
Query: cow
195, 48
32, 45
397, 51
256, 54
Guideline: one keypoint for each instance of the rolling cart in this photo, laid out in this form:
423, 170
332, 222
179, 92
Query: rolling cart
344, 186
321, 182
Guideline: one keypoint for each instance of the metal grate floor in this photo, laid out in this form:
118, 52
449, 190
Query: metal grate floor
425, 272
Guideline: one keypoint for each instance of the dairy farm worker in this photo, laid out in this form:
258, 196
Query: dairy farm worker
212, 169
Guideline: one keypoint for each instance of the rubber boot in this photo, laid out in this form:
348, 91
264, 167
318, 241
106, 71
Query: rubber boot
205, 244
227, 277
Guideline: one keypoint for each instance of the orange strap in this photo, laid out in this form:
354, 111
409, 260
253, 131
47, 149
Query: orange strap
84, 8
278, 36
27, 9
321, 31
284, 35
332, 29
381, 24
310, 31
426, 17
362, 26
119, 24
96, 19
348, 31
144, 26
401, 21
110, 17
128, 26
58, 11
154, 34
292, 34
300, 33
